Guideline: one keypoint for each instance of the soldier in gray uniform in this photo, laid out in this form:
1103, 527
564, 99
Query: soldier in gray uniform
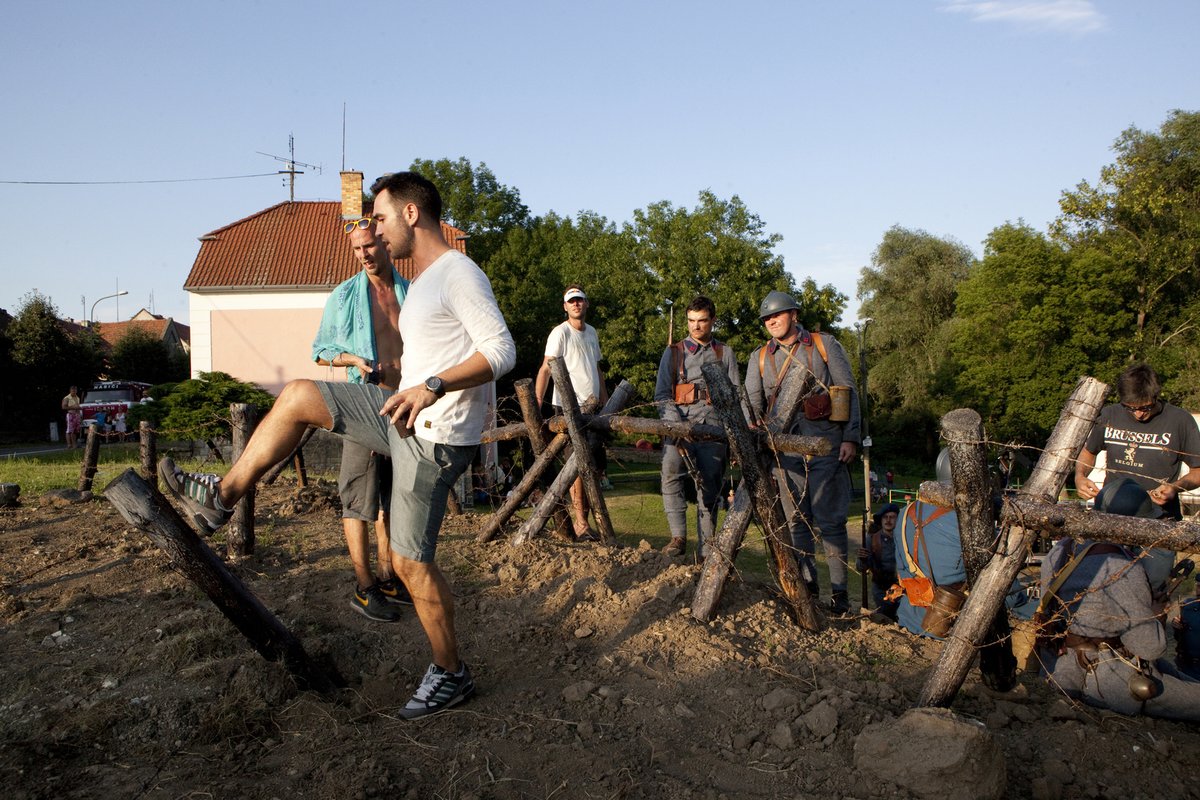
1109, 641
682, 396
815, 490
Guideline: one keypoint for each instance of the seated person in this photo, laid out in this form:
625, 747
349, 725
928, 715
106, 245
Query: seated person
1103, 636
929, 547
879, 558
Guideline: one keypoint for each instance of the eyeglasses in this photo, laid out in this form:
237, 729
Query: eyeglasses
361, 224
1142, 409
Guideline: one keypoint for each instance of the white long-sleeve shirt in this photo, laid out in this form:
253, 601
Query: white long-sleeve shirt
450, 313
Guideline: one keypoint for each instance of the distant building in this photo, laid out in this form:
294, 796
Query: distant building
175, 335
258, 286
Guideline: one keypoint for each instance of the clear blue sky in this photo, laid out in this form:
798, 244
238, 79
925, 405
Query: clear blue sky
832, 121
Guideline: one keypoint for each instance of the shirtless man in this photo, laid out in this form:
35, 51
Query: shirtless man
359, 331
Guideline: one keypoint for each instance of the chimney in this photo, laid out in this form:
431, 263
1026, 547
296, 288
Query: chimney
352, 195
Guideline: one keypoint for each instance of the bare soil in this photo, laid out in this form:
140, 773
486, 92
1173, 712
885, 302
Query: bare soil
121, 680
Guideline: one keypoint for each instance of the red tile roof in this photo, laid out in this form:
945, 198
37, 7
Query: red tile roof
290, 245
113, 332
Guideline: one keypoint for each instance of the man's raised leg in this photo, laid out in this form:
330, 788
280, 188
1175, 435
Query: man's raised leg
209, 498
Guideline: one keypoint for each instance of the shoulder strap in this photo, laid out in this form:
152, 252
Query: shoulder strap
819, 341
1051, 593
914, 565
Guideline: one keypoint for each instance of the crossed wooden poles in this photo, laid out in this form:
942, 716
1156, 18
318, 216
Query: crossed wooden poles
992, 562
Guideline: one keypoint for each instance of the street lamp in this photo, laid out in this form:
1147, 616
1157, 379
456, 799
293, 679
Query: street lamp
92, 314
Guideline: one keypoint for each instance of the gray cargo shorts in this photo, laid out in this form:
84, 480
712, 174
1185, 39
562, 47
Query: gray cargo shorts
423, 472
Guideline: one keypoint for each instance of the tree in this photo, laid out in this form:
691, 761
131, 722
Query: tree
475, 202
909, 294
47, 359
1031, 319
718, 249
141, 356
1144, 214
198, 408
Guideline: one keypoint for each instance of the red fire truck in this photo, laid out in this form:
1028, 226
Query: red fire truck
111, 398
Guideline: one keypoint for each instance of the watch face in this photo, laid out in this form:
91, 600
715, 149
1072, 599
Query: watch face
435, 385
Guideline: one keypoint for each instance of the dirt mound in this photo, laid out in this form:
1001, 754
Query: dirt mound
122, 680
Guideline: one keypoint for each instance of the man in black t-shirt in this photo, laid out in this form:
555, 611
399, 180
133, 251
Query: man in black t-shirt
1146, 439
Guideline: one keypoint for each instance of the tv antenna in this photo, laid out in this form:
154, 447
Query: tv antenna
292, 163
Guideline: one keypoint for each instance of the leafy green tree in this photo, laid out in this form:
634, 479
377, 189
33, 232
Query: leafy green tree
1031, 319
475, 202
722, 250
198, 408
909, 294
1143, 214
47, 358
141, 356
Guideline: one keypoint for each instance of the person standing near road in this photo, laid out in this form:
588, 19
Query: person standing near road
681, 395
815, 490
72, 405
576, 342
455, 336
359, 331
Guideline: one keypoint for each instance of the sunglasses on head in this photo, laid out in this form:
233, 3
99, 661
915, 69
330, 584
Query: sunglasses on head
1143, 409
361, 224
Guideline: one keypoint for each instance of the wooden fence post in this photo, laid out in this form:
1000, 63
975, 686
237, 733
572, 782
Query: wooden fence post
570, 471
1058, 460
963, 431
148, 450
532, 415
737, 521
91, 455
582, 450
764, 494
240, 533
150, 512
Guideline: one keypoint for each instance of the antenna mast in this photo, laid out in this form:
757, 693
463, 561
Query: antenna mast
292, 163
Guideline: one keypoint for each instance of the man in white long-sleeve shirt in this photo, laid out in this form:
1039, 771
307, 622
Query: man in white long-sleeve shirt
455, 343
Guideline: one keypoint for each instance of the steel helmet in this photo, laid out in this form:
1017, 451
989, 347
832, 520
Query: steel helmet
943, 466
775, 302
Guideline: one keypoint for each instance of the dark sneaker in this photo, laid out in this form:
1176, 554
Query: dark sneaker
197, 491
675, 547
438, 691
839, 605
394, 591
371, 603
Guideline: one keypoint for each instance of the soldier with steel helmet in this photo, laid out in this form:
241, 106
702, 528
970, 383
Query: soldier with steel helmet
815, 490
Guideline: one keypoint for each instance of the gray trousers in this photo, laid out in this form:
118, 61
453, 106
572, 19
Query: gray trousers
709, 459
1106, 685
816, 496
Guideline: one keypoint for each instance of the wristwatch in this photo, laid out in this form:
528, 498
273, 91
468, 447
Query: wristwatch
436, 385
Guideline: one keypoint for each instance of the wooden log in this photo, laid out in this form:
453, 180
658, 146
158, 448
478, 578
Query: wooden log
582, 456
721, 553
539, 441
240, 532
546, 453
692, 431
570, 471
148, 450
737, 521
453, 506
1057, 462
91, 455
963, 431
149, 511
273, 474
764, 495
